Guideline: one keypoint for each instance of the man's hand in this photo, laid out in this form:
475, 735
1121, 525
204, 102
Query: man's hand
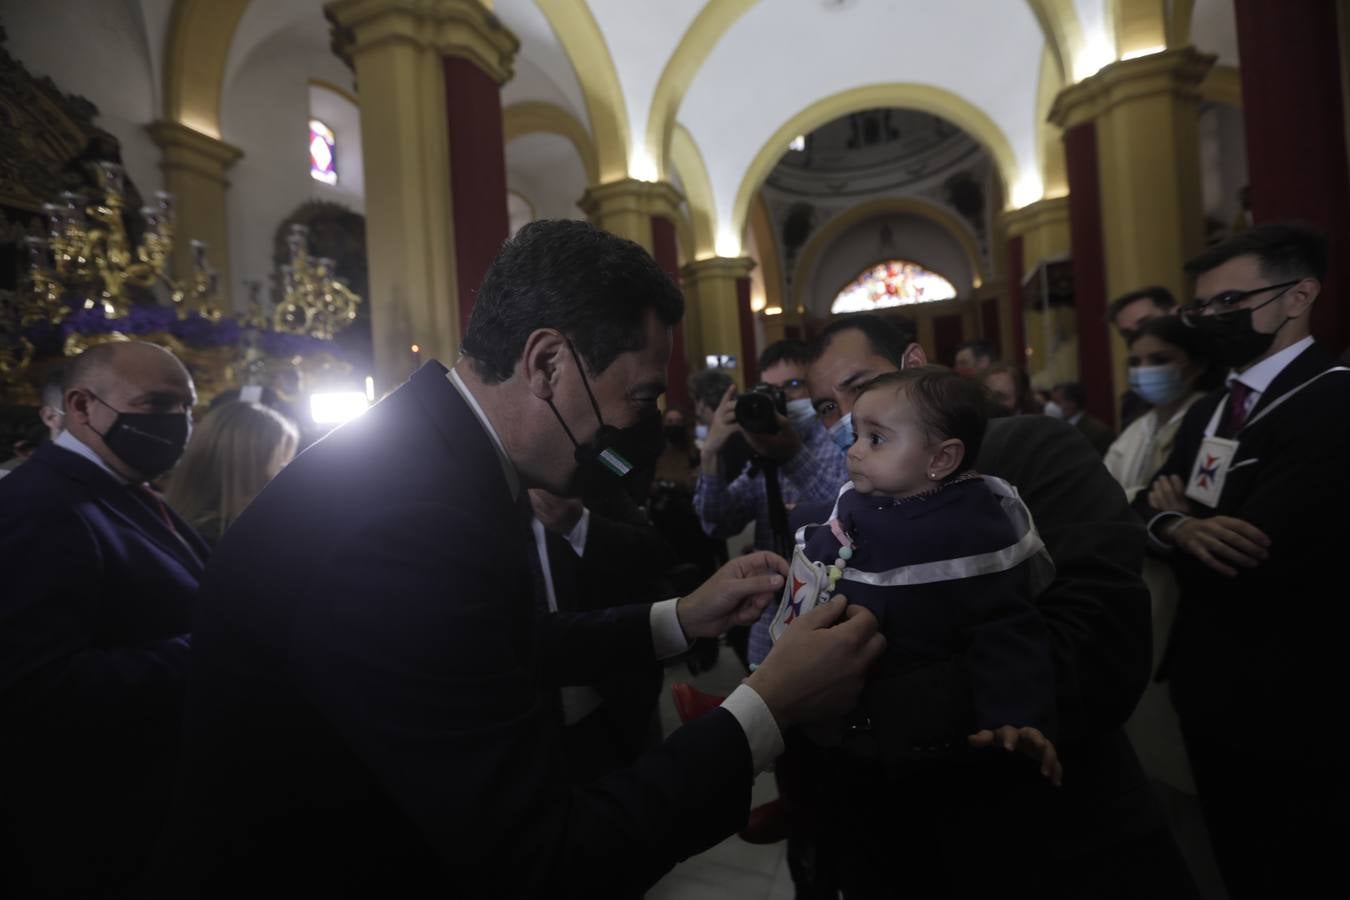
735, 595
1168, 494
722, 427
779, 447
559, 514
1029, 741
817, 668
1221, 542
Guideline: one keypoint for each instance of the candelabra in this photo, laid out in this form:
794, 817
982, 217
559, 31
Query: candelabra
314, 302
88, 257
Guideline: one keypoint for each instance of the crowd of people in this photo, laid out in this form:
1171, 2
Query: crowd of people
976, 623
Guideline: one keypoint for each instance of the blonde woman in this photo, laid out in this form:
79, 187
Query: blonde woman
234, 451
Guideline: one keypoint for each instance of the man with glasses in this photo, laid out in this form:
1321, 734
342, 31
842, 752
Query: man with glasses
1251, 507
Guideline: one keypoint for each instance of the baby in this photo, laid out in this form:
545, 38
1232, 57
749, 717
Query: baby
948, 561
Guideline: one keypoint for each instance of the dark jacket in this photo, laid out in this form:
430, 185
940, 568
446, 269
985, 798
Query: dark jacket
1258, 646
95, 606
374, 707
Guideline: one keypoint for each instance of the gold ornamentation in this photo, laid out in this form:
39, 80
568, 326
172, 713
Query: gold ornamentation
314, 301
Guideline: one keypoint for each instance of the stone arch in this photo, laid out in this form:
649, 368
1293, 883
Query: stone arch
196, 48
520, 119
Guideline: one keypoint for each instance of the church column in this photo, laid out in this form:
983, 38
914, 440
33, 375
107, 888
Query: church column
1296, 132
720, 288
665, 250
427, 76
194, 167
1134, 195
1037, 233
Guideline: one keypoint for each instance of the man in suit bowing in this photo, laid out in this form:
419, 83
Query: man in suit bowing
99, 577
1251, 508
375, 707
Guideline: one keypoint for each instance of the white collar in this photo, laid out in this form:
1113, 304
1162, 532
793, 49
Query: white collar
1259, 376
508, 468
70, 442
1074, 420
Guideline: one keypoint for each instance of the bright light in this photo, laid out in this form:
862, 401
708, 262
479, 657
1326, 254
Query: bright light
370, 389
337, 407
719, 361
1095, 55
773, 310
798, 143
1028, 189
642, 167
1146, 51
728, 244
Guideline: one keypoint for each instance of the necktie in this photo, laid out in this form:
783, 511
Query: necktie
156, 505
1235, 414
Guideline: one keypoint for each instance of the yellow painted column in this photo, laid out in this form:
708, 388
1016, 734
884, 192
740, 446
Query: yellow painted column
710, 285
194, 168
1145, 112
626, 207
1043, 228
397, 49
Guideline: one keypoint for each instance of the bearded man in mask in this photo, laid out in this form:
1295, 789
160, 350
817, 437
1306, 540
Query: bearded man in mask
99, 578
1250, 507
375, 704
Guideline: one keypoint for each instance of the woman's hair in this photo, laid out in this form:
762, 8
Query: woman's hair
949, 406
1173, 330
234, 451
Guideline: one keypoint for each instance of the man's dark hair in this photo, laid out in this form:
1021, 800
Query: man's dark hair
1159, 295
1285, 251
1073, 392
784, 351
949, 405
981, 349
592, 286
709, 386
887, 336
52, 394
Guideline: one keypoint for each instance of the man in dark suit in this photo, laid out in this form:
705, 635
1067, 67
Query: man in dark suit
1251, 507
98, 579
1072, 399
1106, 835
375, 708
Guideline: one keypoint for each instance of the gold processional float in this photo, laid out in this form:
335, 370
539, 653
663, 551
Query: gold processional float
86, 284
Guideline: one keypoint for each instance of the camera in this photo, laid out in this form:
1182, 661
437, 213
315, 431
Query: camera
757, 410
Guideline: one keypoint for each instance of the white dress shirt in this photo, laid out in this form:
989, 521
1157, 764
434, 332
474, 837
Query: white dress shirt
68, 441
1259, 377
668, 638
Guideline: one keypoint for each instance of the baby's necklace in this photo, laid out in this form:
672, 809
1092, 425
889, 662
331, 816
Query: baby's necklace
836, 571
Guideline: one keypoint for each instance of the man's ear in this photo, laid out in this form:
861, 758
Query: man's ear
542, 360
947, 458
1301, 296
914, 357
77, 405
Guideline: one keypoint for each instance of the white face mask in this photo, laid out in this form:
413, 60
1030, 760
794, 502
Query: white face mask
701, 432
1054, 410
842, 432
800, 412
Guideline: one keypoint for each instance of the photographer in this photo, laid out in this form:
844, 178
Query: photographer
789, 443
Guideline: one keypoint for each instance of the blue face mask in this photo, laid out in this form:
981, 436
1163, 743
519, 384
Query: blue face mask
841, 432
800, 412
1159, 385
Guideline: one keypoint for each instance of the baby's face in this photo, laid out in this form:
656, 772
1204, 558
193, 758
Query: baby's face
890, 454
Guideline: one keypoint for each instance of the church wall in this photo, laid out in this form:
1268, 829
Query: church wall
98, 51
913, 238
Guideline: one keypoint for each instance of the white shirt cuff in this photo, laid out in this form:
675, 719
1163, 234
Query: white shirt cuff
667, 636
766, 741
1153, 527
577, 536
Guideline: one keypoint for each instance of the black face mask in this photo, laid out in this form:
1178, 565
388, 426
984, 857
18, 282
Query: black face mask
613, 454
149, 443
1229, 338
677, 436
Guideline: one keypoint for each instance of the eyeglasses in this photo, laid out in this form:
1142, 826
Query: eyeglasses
1227, 300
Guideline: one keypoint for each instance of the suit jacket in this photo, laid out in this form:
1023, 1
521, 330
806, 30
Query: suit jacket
94, 617
374, 707
1257, 646
1098, 433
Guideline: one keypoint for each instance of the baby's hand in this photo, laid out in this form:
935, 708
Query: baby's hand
1028, 740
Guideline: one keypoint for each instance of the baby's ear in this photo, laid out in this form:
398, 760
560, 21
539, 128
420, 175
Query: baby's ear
948, 458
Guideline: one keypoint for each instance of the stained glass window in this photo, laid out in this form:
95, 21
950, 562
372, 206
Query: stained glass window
322, 153
892, 283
